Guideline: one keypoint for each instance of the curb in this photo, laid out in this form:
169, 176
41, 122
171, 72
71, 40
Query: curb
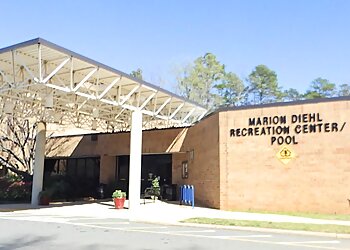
268, 230
185, 224
8, 210
254, 229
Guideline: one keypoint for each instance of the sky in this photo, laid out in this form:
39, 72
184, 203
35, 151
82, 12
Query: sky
299, 39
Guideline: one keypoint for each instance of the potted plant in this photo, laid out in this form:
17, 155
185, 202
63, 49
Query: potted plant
44, 198
119, 198
155, 188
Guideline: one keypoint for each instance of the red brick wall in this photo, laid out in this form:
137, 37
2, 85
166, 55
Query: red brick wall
204, 169
202, 139
317, 179
244, 173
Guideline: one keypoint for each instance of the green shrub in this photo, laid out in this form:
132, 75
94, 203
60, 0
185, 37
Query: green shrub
155, 187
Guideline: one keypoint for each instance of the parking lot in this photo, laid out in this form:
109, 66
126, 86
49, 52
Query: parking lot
38, 231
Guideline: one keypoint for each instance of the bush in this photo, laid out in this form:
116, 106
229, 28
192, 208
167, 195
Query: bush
12, 188
58, 186
19, 191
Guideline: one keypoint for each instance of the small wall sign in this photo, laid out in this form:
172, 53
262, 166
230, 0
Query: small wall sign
184, 170
285, 154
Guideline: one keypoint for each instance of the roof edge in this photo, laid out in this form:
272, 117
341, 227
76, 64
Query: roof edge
96, 63
281, 104
20, 45
116, 132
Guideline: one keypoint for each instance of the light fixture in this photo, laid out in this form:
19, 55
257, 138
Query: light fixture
95, 113
49, 100
192, 155
94, 124
9, 107
56, 117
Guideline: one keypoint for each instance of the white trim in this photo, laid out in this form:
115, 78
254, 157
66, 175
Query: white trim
84, 79
176, 111
130, 93
163, 105
55, 70
188, 115
147, 100
109, 87
78, 89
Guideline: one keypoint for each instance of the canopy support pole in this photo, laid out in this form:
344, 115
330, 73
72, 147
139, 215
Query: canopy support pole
39, 159
135, 160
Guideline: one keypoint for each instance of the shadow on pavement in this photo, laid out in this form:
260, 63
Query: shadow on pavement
18, 243
26, 206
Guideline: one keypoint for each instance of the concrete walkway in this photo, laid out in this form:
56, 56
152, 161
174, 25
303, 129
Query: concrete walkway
157, 212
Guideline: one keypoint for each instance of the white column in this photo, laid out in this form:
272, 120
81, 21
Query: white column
39, 158
135, 161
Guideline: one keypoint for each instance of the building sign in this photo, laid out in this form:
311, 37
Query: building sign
285, 155
285, 129
184, 169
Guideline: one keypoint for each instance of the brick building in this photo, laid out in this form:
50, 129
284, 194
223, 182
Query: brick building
277, 157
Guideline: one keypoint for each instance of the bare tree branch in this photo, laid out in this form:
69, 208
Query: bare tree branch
17, 144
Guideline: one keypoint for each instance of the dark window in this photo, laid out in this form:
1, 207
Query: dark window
71, 167
81, 168
72, 178
62, 167
90, 167
157, 165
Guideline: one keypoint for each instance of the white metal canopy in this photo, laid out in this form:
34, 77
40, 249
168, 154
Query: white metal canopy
41, 80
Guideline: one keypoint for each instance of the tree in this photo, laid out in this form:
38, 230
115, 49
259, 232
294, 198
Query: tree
184, 87
231, 89
263, 85
137, 74
320, 88
198, 80
292, 95
17, 146
344, 90
17, 143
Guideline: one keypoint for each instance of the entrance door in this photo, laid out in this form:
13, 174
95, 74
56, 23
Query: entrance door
152, 166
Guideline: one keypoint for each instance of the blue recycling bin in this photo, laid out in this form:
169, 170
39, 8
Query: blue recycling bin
187, 195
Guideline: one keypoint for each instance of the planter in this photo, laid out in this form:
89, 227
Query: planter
119, 202
44, 201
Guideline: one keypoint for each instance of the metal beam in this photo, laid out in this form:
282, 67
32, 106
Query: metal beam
176, 110
55, 70
5, 78
130, 93
109, 87
18, 58
188, 115
40, 64
147, 100
77, 83
84, 79
163, 105
202, 115
13, 67
116, 117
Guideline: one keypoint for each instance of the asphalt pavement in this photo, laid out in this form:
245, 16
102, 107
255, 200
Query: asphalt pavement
158, 212
43, 231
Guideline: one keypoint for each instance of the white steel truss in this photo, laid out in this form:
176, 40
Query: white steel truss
41, 80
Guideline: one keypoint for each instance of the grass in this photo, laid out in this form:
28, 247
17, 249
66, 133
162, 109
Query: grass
345, 217
275, 225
